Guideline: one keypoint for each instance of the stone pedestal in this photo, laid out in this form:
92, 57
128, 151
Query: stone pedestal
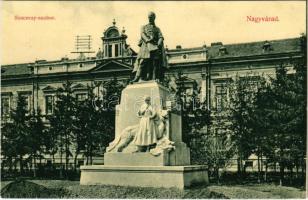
144, 176
132, 98
169, 169
136, 159
178, 157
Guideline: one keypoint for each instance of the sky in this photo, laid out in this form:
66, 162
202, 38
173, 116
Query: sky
189, 24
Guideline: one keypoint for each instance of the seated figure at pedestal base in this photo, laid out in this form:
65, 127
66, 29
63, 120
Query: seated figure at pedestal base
125, 141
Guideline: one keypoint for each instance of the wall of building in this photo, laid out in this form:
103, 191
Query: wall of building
65, 67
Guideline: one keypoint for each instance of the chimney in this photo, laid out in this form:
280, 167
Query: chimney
40, 61
178, 47
64, 58
216, 44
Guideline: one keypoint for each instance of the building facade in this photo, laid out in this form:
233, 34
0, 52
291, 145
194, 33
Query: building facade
211, 67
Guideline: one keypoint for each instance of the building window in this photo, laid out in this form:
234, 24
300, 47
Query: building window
223, 50
110, 50
49, 104
251, 83
106, 51
5, 106
248, 163
27, 96
116, 48
81, 97
221, 97
189, 91
27, 100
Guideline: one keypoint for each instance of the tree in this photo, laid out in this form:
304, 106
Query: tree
16, 140
95, 119
51, 140
37, 137
85, 136
206, 144
241, 103
283, 104
260, 136
195, 115
215, 145
89, 132
284, 107
111, 98
300, 125
246, 137
219, 151
62, 120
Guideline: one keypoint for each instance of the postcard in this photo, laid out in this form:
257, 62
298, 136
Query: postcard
153, 99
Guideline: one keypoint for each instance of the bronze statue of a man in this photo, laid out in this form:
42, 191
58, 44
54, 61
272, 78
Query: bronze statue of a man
151, 59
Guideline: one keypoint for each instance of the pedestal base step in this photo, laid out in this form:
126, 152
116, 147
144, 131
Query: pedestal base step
144, 176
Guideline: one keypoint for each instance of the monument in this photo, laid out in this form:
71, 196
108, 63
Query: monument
148, 150
151, 60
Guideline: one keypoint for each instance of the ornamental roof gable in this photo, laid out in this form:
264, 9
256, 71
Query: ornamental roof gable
111, 66
79, 86
48, 89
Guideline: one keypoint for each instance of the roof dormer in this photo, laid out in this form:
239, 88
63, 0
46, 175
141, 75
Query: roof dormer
267, 46
223, 50
114, 41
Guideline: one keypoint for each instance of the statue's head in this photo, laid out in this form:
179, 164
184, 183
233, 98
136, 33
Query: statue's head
151, 17
147, 99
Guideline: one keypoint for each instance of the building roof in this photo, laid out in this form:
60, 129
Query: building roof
215, 51
254, 48
17, 69
185, 49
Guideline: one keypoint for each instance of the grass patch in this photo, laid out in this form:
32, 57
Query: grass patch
263, 191
138, 192
27, 189
72, 189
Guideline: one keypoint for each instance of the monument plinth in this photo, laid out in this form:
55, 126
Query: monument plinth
146, 176
165, 165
